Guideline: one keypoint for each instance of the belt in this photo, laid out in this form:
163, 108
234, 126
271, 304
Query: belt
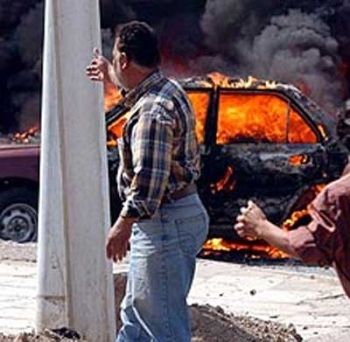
176, 195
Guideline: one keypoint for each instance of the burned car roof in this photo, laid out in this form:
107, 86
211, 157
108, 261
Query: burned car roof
216, 81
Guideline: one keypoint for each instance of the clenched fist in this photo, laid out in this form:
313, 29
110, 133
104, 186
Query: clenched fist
249, 224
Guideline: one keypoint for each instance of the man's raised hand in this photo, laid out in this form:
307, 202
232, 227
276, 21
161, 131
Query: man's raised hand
97, 70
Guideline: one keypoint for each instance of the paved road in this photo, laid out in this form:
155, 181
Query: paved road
311, 300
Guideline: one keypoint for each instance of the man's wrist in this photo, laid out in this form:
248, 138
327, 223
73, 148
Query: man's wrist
128, 219
262, 228
124, 224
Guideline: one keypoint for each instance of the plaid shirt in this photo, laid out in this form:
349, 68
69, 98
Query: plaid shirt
158, 149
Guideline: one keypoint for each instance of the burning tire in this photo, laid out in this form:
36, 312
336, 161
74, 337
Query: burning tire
19, 215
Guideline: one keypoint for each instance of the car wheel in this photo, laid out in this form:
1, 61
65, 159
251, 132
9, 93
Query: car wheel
19, 215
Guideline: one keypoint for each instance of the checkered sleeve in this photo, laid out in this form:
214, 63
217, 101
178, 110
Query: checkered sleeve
151, 145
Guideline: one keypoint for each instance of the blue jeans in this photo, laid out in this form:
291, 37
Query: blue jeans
162, 264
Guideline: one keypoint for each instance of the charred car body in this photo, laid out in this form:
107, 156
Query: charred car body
264, 141
259, 140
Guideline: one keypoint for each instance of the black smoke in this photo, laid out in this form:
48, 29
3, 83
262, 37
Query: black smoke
304, 42
21, 30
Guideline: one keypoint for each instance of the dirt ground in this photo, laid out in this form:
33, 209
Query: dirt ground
209, 324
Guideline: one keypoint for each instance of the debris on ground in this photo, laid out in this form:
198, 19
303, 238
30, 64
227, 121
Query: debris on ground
46, 336
209, 324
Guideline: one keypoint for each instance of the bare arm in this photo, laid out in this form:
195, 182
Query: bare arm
252, 223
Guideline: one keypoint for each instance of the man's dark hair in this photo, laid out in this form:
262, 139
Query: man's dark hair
139, 42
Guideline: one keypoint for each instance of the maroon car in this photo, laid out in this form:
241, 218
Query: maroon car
19, 187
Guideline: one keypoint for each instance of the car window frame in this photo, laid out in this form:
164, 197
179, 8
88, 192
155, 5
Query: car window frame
291, 105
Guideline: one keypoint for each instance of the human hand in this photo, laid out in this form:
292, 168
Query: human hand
118, 239
250, 223
98, 68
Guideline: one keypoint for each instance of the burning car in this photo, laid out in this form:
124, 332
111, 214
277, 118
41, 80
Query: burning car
259, 140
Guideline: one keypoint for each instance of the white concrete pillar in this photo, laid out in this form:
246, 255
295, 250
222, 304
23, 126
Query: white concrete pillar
75, 281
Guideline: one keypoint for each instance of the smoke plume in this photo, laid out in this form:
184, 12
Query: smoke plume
306, 43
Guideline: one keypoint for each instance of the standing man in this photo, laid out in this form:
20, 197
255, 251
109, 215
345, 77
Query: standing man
162, 213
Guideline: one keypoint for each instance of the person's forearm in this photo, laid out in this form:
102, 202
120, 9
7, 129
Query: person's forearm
277, 237
128, 220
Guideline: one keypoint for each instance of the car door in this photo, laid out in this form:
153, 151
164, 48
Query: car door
265, 149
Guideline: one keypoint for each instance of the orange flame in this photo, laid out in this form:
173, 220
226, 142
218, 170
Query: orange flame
294, 218
111, 97
115, 129
200, 102
242, 117
298, 159
223, 81
248, 117
297, 215
217, 79
221, 245
25, 137
245, 117
226, 182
